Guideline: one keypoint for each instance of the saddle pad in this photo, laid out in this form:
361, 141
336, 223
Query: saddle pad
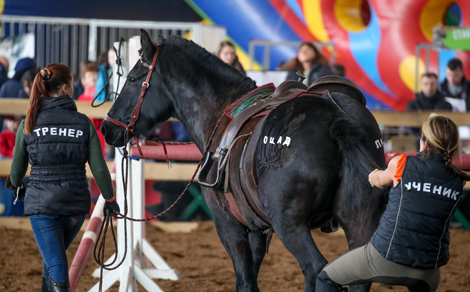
248, 99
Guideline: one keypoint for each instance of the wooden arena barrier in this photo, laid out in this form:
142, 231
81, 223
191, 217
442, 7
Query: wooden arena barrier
17, 106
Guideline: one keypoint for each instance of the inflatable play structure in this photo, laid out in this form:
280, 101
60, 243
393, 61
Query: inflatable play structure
375, 40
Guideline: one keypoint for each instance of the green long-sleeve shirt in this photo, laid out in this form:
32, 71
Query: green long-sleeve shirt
98, 166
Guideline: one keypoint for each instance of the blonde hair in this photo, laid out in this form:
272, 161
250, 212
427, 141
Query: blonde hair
442, 136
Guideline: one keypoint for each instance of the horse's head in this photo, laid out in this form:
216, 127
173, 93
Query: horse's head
134, 111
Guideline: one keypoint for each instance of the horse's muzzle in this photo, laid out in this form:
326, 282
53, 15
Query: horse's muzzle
113, 134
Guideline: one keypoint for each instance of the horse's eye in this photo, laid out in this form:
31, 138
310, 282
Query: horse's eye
131, 80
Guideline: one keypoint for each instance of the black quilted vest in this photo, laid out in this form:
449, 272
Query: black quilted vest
58, 151
414, 229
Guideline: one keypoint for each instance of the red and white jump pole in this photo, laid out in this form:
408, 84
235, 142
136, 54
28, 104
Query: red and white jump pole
188, 152
86, 244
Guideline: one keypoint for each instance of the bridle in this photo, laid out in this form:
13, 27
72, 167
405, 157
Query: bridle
136, 112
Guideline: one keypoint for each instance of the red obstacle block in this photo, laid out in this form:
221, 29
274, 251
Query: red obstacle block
188, 152
463, 163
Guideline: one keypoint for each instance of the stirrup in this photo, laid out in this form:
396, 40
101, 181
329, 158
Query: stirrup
206, 167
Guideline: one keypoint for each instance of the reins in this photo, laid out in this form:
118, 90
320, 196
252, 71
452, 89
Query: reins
99, 250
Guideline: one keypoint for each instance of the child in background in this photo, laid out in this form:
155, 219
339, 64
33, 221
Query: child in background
7, 137
89, 76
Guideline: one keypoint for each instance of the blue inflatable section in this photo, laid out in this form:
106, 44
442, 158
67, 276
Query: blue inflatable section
444, 57
247, 20
296, 8
365, 48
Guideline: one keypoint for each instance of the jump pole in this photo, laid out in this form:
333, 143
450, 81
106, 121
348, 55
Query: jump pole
133, 269
86, 244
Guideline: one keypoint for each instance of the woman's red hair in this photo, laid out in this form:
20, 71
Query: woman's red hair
45, 85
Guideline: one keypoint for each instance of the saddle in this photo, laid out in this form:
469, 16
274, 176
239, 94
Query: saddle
335, 83
257, 104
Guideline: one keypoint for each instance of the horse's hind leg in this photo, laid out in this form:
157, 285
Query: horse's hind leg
298, 240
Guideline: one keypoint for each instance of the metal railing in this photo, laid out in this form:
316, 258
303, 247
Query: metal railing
73, 40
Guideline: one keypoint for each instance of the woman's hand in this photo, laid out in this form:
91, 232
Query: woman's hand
374, 178
385, 178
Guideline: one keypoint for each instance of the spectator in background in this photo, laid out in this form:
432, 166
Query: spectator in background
227, 54
310, 62
12, 87
101, 86
78, 87
7, 137
4, 67
88, 77
455, 87
27, 80
430, 98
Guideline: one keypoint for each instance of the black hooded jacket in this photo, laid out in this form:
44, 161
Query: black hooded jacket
435, 102
464, 94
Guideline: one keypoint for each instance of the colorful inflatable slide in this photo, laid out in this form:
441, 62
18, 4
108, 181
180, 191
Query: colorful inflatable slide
375, 40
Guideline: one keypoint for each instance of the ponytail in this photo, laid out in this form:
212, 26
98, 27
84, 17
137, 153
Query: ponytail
46, 83
442, 136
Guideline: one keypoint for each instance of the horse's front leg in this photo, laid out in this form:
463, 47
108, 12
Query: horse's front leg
258, 249
236, 240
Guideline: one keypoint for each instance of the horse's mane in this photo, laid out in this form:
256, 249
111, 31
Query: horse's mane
207, 60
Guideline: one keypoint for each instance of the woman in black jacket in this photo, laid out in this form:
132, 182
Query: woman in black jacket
310, 62
57, 141
412, 240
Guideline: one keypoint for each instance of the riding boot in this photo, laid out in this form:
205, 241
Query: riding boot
325, 284
45, 285
59, 286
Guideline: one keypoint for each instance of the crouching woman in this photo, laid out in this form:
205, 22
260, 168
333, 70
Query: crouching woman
412, 240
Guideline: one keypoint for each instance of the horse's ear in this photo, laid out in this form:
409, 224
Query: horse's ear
147, 46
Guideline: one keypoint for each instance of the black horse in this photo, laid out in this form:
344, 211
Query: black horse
319, 174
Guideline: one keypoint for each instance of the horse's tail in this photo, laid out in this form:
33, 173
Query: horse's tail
357, 162
351, 139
